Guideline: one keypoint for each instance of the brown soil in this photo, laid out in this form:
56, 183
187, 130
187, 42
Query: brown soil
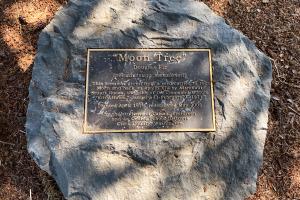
275, 28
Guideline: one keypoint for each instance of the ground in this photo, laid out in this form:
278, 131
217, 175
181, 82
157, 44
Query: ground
273, 25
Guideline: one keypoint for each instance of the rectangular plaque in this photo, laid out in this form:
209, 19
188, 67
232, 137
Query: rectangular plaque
149, 90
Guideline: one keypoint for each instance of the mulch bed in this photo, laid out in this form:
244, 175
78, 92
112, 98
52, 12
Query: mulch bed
274, 25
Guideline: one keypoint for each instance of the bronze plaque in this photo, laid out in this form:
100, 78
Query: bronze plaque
149, 90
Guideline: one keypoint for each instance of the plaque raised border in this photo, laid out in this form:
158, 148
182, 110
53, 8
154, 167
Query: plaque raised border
85, 131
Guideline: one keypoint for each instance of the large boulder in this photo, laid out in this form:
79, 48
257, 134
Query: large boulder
134, 166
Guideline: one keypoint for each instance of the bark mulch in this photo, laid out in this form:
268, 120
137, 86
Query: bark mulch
274, 25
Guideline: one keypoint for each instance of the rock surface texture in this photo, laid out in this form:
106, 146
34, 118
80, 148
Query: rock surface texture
148, 166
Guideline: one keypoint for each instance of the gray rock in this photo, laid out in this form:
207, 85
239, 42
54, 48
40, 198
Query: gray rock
215, 165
